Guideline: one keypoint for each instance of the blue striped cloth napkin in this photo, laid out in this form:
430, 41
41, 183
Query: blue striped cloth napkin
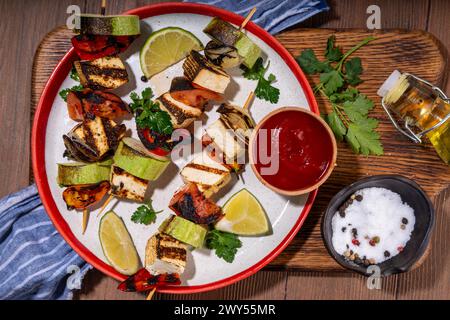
272, 15
35, 262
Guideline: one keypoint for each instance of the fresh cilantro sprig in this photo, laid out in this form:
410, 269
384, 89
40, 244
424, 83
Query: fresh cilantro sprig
65, 92
74, 76
264, 89
148, 113
145, 214
339, 74
225, 244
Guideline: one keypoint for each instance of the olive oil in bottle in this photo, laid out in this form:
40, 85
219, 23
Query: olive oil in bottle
420, 105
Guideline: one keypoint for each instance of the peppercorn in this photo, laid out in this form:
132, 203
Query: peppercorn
359, 198
404, 221
354, 232
387, 254
343, 229
342, 212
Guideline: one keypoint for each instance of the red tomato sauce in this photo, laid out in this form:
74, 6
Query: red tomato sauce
305, 150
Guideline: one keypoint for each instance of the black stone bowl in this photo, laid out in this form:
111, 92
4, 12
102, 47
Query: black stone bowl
414, 196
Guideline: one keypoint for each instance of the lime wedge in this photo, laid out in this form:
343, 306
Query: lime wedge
117, 245
244, 215
166, 47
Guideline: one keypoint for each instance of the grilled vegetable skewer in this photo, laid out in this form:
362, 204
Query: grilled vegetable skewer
205, 74
207, 173
134, 167
225, 33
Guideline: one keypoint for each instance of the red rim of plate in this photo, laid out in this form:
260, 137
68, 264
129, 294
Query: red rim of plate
45, 105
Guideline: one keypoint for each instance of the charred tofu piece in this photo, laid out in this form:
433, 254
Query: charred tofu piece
126, 186
209, 175
93, 139
180, 114
164, 254
103, 73
102, 104
226, 141
205, 74
185, 91
190, 203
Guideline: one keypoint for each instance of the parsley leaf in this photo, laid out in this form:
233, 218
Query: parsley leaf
359, 108
353, 69
264, 89
332, 52
148, 113
74, 75
336, 125
145, 214
65, 92
310, 64
349, 119
362, 138
225, 244
332, 81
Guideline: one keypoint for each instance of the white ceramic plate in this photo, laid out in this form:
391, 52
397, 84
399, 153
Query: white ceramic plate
204, 271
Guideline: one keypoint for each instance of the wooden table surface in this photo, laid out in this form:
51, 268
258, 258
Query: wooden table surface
25, 23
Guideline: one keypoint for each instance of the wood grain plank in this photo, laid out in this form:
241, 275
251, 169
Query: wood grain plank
391, 50
336, 286
23, 25
312, 282
399, 14
261, 286
432, 281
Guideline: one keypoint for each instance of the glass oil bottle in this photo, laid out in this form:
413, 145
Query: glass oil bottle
421, 106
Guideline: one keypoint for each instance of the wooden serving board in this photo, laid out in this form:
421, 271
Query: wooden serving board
415, 52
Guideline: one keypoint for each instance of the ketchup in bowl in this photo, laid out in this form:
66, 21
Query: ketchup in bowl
304, 145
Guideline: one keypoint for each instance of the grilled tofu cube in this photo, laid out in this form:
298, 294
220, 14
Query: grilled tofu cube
103, 73
93, 139
180, 114
126, 186
202, 72
165, 254
209, 175
226, 140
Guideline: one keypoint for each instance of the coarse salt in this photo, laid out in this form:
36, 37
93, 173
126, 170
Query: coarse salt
374, 228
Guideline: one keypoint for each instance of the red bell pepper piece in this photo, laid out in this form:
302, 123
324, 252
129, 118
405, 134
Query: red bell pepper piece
143, 281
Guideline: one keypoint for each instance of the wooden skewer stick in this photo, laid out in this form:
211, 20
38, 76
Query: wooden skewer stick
85, 219
103, 8
150, 294
105, 204
249, 17
249, 100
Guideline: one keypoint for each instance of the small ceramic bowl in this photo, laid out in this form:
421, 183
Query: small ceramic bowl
414, 196
325, 175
